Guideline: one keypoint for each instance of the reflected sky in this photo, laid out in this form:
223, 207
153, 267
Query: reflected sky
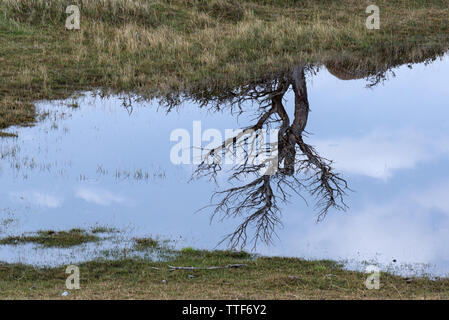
101, 164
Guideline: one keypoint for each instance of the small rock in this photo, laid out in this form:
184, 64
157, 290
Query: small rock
408, 280
164, 281
65, 294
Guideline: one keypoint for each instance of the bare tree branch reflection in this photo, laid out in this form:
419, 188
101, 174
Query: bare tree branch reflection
257, 198
300, 169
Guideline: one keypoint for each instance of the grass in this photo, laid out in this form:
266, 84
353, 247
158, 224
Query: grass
187, 250
152, 48
7, 135
50, 238
262, 278
156, 47
102, 229
145, 243
118, 274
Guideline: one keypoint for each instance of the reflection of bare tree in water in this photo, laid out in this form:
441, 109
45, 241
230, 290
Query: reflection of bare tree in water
301, 168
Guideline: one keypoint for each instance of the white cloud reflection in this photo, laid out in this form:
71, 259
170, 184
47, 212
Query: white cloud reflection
412, 228
39, 199
98, 196
379, 155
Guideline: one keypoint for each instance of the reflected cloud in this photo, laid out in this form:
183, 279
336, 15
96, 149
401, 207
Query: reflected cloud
379, 155
38, 199
435, 198
98, 196
407, 228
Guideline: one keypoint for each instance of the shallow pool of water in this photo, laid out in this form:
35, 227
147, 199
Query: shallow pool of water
100, 163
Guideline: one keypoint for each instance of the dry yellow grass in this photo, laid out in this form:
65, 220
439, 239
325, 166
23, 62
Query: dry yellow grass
161, 46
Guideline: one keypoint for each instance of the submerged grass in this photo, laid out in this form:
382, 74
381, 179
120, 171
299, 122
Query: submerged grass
145, 243
155, 47
8, 135
50, 238
103, 229
260, 278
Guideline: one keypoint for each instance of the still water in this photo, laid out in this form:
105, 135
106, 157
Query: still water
98, 162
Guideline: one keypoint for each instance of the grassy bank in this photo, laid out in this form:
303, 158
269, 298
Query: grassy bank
257, 278
148, 268
155, 47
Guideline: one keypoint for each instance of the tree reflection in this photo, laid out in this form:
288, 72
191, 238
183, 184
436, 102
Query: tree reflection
295, 169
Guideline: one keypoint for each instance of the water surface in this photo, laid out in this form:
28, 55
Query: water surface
100, 163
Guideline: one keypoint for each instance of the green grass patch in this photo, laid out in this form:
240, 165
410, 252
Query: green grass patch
102, 229
216, 254
204, 274
261, 278
145, 243
50, 238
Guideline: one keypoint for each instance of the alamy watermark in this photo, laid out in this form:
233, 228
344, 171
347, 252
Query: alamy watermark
73, 20
249, 147
73, 280
373, 279
373, 20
